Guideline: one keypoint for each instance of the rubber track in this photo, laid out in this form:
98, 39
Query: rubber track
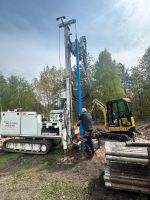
116, 136
46, 142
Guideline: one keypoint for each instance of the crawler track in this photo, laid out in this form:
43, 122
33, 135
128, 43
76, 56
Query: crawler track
28, 146
115, 136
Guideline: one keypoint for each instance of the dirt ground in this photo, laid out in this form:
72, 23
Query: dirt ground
43, 177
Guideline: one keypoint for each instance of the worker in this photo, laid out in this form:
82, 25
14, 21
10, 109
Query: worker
86, 120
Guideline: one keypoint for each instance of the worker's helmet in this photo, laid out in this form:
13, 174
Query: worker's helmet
84, 110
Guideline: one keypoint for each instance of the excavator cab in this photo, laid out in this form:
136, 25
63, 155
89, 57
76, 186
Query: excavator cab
119, 116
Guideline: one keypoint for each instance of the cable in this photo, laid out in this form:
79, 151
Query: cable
59, 51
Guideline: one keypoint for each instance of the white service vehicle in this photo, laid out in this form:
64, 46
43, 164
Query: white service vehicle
28, 132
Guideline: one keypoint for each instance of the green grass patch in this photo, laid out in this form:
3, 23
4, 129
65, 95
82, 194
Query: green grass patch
51, 159
5, 159
27, 161
22, 173
62, 190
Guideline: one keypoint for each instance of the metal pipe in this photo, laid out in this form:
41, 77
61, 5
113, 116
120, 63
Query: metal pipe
79, 87
126, 177
138, 144
140, 183
127, 187
125, 159
127, 154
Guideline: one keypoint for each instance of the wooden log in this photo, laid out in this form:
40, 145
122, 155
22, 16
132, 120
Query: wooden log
127, 187
127, 160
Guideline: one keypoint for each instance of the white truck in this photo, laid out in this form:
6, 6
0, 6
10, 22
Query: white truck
27, 132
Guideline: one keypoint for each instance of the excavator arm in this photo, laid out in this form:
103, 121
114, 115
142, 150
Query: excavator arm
102, 108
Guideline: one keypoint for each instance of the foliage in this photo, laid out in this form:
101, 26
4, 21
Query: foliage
107, 78
3, 93
140, 86
125, 79
48, 86
15, 92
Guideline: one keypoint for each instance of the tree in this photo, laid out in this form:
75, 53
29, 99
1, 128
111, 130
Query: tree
47, 87
107, 78
20, 94
140, 82
3, 92
125, 79
15, 92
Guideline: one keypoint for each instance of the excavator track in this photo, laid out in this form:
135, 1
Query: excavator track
28, 146
115, 136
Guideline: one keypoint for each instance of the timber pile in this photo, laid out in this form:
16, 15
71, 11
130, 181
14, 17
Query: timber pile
127, 167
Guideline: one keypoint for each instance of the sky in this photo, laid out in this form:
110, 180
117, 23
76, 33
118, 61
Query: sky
29, 33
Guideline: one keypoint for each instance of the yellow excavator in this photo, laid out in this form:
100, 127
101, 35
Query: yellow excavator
118, 118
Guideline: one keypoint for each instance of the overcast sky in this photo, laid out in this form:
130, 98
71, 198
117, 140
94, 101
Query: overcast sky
29, 36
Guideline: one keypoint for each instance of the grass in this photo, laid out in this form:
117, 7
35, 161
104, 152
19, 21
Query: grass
5, 159
50, 160
22, 173
62, 190
26, 161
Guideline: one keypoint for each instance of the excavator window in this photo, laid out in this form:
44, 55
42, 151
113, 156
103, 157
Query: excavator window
125, 113
113, 114
118, 112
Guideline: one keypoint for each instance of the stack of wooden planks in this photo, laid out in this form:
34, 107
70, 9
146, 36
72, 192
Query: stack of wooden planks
127, 166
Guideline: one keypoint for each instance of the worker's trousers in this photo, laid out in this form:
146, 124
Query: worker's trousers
89, 148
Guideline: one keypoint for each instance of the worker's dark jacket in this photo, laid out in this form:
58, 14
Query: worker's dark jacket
86, 120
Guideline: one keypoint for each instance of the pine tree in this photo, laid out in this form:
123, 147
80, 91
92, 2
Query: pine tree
107, 78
